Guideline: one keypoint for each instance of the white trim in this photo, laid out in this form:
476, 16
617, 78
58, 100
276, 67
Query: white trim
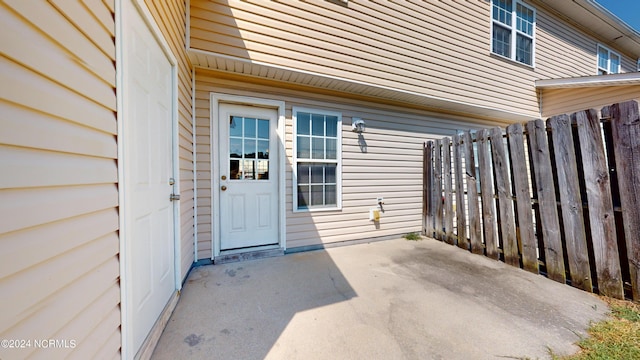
294, 170
513, 28
215, 99
590, 81
609, 53
124, 277
177, 205
125, 265
195, 164
614, 21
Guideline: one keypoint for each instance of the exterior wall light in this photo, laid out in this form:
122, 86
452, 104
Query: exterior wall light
357, 125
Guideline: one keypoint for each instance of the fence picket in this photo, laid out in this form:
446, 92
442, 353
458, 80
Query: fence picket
503, 187
601, 217
571, 202
461, 223
626, 133
528, 243
437, 189
427, 189
475, 234
546, 194
572, 172
448, 192
486, 192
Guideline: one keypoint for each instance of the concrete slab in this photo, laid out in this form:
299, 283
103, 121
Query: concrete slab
395, 299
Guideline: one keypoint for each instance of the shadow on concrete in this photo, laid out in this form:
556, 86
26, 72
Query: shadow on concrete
239, 310
393, 299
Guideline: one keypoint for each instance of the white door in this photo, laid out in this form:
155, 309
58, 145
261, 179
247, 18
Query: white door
148, 171
248, 160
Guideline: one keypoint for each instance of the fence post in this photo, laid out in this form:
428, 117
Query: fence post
601, 217
626, 135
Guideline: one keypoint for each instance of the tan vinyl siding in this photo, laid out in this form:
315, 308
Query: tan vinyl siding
439, 49
564, 51
562, 101
170, 17
390, 168
59, 268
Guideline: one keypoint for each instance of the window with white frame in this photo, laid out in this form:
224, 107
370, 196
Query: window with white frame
608, 61
317, 159
512, 32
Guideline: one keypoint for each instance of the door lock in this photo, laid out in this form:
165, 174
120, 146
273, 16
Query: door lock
174, 197
172, 181
224, 177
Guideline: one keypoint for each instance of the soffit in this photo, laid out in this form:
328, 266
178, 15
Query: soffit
345, 86
593, 18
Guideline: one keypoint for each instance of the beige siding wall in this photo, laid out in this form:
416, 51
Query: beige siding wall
171, 17
59, 243
436, 48
564, 51
561, 101
390, 168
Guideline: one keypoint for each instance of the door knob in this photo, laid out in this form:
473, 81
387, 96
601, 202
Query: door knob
224, 177
223, 188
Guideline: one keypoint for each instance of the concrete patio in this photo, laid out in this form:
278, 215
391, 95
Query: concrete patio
395, 299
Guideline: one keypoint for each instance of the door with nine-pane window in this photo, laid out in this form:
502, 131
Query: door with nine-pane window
248, 193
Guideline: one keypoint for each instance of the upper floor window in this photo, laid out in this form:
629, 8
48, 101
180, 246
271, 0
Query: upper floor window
317, 158
512, 31
608, 61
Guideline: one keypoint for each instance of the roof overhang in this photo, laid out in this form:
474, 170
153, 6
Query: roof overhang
590, 81
595, 19
348, 88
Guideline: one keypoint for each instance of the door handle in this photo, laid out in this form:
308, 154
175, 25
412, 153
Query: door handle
223, 188
174, 197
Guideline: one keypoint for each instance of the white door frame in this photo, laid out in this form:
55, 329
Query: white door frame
215, 100
121, 7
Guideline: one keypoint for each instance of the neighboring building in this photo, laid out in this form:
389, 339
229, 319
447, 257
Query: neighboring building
112, 109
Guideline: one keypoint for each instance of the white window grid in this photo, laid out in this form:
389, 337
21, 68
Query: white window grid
310, 159
608, 61
525, 27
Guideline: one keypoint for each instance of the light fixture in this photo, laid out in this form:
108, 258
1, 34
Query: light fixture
357, 125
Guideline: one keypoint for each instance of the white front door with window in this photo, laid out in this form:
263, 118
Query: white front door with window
249, 176
148, 171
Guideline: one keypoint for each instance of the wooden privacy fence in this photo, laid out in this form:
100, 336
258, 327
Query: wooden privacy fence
560, 197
